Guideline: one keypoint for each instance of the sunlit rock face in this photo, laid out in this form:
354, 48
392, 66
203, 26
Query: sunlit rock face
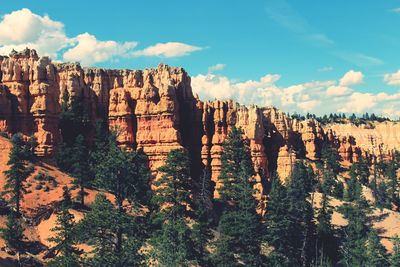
155, 110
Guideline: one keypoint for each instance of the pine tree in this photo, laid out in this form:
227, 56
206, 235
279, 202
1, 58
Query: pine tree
19, 170
376, 255
354, 189
126, 175
394, 259
74, 121
356, 232
123, 173
74, 118
360, 171
382, 197
100, 147
173, 243
67, 255
325, 240
393, 190
80, 167
277, 225
329, 181
63, 157
338, 190
331, 158
300, 212
116, 237
239, 225
203, 217
67, 200
13, 233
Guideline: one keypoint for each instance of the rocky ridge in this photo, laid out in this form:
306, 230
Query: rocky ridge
155, 110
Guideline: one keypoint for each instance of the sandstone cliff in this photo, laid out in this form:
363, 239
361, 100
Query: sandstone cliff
155, 110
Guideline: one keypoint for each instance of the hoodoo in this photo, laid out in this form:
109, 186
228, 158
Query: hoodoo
155, 109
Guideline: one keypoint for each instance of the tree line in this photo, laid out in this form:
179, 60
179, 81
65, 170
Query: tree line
175, 221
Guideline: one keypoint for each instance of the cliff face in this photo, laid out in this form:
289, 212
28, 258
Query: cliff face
29, 98
155, 110
379, 139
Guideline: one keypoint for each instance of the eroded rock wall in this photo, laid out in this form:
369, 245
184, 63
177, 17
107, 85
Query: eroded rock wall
155, 110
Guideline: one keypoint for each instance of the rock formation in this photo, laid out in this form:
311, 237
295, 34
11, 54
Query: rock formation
155, 110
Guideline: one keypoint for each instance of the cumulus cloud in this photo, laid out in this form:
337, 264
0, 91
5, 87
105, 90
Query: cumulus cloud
319, 97
337, 90
392, 78
358, 103
170, 49
352, 78
23, 28
88, 50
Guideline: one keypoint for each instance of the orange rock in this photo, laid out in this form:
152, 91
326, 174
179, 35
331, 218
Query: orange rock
155, 110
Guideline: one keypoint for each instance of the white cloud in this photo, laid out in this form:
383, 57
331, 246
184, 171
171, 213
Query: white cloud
351, 78
308, 105
359, 103
319, 97
170, 49
22, 28
392, 78
216, 67
337, 90
88, 50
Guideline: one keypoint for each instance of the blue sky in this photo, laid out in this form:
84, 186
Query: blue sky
318, 56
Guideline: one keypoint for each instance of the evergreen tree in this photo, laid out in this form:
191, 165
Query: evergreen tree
100, 147
74, 118
393, 190
80, 167
203, 218
394, 259
331, 158
13, 233
329, 181
116, 237
338, 190
354, 189
239, 225
123, 173
126, 175
301, 214
277, 225
173, 243
382, 197
18, 171
67, 200
74, 121
353, 118
67, 255
63, 157
356, 232
376, 255
326, 248
360, 171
